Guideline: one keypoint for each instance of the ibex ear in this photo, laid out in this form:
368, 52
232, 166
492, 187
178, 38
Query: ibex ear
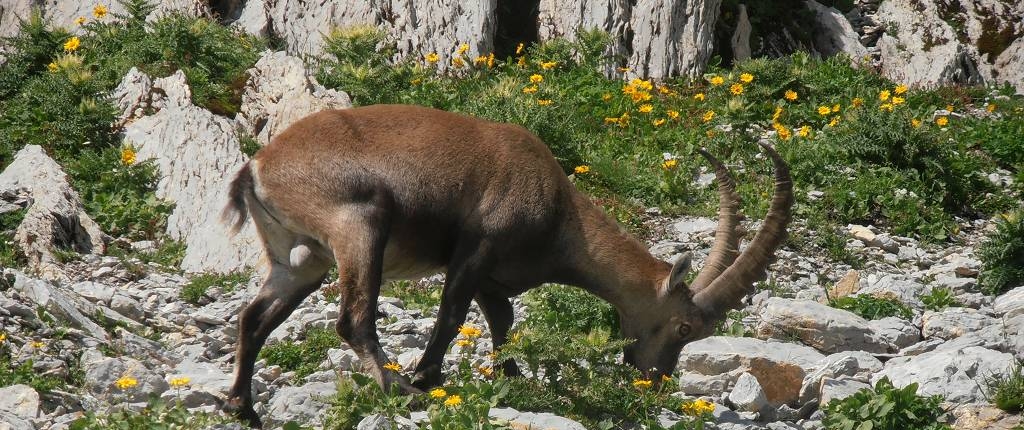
677, 278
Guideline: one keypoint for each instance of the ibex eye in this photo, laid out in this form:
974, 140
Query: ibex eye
684, 330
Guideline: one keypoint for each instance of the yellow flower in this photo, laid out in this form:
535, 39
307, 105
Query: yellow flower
548, 65
543, 102
710, 133
519, 48
582, 169
949, 108
642, 383
394, 367
736, 89
666, 378
672, 114
490, 60
857, 102
485, 370
824, 110
884, 95
886, 107
127, 156
746, 78
942, 121
669, 165
835, 108
624, 119
645, 108
716, 80
521, 62
99, 11
708, 116
834, 121
896, 101
454, 400
416, 81
698, 407
72, 44
777, 113
804, 131
664, 89
480, 60
658, 122
432, 57
900, 89
462, 49
642, 84
438, 393
990, 107
640, 96
784, 133
457, 62
469, 331
791, 95
80, 20
606, 96
530, 89
38, 345
536, 79
699, 97
3, 337
915, 123
53, 67
611, 120
462, 343
180, 381
126, 382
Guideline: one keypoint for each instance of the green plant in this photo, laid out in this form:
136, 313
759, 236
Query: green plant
885, 407
939, 298
197, 287
158, 414
1006, 391
568, 310
304, 356
10, 254
361, 396
1002, 254
416, 295
872, 307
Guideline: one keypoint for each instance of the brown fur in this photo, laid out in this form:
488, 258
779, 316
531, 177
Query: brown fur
402, 191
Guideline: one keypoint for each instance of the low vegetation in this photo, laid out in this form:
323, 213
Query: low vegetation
198, 286
1003, 254
872, 307
1006, 391
886, 407
304, 355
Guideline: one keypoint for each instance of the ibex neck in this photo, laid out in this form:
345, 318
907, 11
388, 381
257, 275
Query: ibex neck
607, 261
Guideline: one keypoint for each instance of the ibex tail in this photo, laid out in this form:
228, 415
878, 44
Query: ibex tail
236, 212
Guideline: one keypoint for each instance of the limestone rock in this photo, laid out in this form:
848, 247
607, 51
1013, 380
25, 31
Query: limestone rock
740, 40
19, 401
131, 97
102, 372
984, 417
381, 422
957, 375
954, 322
534, 420
55, 219
822, 327
658, 39
780, 367
838, 389
920, 48
854, 365
747, 394
301, 404
197, 153
896, 331
69, 307
281, 91
833, 33
1009, 66
1010, 304
10, 13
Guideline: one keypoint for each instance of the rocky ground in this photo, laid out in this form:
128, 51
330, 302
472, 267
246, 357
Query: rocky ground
802, 352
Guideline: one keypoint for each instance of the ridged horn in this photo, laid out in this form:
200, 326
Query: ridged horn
728, 234
727, 291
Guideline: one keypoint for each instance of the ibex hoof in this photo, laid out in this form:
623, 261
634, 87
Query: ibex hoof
243, 411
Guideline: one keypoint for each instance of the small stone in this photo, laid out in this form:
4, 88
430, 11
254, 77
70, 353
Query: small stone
747, 394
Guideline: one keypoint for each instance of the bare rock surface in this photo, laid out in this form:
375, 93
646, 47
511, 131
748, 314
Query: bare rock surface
197, 153
957, 375
833, 33
55, 218
822, 327
281, 91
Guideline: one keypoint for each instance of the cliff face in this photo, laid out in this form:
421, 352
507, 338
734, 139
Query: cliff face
917, 42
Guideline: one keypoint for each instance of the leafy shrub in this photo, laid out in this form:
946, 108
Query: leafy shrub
885, 407
872, 308
1006, 392
939, 298
1003, 255
568, 310
10, 254
158, 414
305, 356
197, 287
359, 397
416, 295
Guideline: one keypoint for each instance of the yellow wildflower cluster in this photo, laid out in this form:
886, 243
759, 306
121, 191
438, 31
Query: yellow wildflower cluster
670, 164
180, 381
698, 408
582, 169
126, 382
642, 383
486, 371
393, 366
37, 345
783, 132
638, 90
469, 331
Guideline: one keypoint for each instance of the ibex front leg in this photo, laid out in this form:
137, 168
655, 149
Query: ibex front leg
360, 259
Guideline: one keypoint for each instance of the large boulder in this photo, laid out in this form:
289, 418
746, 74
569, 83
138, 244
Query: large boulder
658, 39
956, 374
197, 154
833, 33
823, 327
281, 91
55, 218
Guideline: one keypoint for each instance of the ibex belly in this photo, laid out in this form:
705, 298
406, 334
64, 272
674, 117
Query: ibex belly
413, 255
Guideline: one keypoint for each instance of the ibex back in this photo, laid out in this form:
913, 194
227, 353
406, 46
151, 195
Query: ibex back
393, 192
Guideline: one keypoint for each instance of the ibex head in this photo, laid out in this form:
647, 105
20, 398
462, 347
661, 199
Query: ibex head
682, 312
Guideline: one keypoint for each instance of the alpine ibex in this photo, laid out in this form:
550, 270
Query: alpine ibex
398, 192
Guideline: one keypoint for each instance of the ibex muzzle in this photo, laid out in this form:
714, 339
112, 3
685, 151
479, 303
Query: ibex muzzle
391, 192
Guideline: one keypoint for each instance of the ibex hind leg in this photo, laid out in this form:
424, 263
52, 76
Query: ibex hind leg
288, 283
500, 317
